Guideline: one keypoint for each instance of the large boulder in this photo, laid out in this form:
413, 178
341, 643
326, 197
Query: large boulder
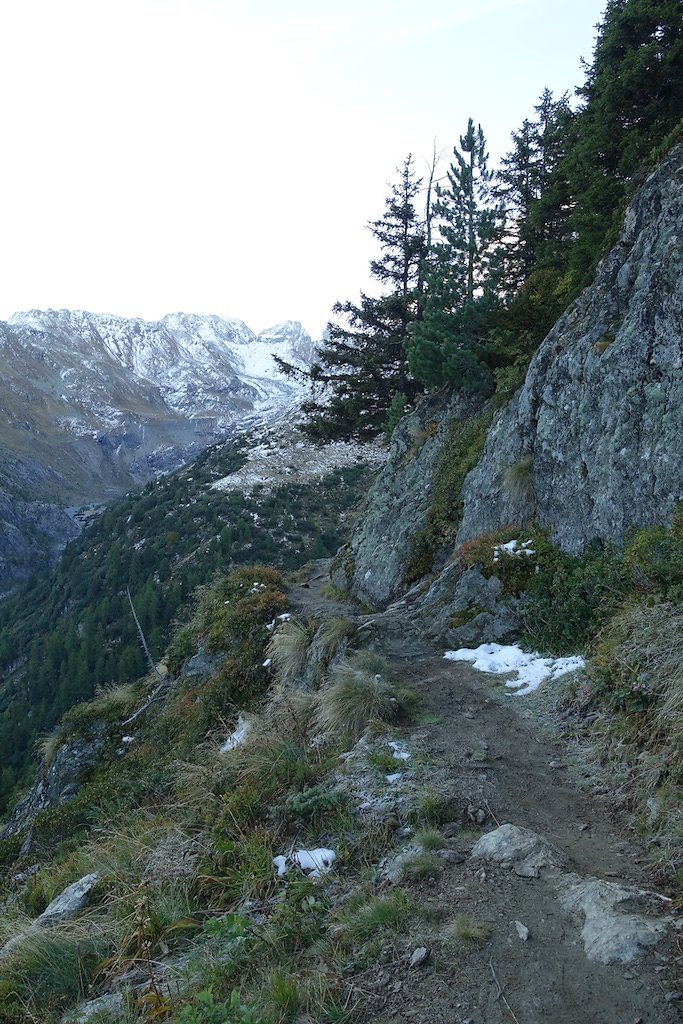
70, 902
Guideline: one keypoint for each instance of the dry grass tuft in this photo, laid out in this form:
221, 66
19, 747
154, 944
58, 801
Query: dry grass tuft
354, 697
331, 636
519, 480
288, 649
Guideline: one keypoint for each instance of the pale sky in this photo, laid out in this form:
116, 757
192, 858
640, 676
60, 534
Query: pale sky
225, 156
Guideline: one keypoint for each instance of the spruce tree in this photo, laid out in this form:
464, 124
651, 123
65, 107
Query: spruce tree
362, 365
463, 274
532, 184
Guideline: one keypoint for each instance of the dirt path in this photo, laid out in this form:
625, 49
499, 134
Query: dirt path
500, 763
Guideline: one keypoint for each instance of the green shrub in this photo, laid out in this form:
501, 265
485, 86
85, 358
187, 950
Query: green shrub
205, 1010
655, 561
182, 647
436, 810
570, 599
239, 870
430, 839
110, 705
566, 599
10, 848
365, 916
311, 806
397, 410
421, 866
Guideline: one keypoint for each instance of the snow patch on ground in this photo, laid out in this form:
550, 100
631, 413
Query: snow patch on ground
399, 750
530, 669
314, 863
238, 736
514, 549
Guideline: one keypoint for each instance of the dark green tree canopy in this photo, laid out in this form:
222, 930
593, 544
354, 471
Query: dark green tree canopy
632, 97
463, 273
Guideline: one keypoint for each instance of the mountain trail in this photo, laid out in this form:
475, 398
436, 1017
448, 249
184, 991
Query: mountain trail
570, 927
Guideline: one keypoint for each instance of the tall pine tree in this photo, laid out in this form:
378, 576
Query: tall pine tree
463, 273
363, 366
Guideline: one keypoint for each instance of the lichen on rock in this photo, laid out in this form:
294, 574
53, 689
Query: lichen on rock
599, 419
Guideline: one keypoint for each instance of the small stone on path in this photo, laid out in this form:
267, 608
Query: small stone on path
419, 956
452, 856
522, 931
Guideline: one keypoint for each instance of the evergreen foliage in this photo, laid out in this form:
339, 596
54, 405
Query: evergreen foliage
463, 274
363, 363
474, 288
632, 96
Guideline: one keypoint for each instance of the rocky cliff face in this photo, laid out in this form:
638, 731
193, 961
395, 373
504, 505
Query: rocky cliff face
94, 405
374, 565
591, 445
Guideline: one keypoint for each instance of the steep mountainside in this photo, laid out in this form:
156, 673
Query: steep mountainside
93, 405
265, 496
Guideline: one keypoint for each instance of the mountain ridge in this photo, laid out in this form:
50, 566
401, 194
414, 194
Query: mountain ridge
96, 404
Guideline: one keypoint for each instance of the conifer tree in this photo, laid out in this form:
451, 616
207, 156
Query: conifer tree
532, 184
362, 365
463, 273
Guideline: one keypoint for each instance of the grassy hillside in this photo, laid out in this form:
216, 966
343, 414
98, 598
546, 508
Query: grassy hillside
182, 840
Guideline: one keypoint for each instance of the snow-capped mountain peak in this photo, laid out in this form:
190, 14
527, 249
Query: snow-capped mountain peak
196, 364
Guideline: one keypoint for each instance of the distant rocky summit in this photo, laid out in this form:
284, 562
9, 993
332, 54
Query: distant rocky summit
93, 405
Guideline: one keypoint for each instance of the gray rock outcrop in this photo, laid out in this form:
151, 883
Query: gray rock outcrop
590, 447
619, 921
374, 566
110, 1004
462, 607
70, 902
59, 781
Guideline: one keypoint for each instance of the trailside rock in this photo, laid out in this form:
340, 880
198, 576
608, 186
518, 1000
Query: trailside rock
464, 608
375, 564
69, 902
111, 1004
590, 445
527, 853
612, 932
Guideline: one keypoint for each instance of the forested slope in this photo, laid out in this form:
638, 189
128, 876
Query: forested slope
65, 634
